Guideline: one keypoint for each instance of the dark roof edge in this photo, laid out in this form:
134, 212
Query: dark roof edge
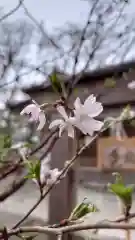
111, 69
99, 73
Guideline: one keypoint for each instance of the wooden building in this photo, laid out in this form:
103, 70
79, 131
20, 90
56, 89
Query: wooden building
114, 98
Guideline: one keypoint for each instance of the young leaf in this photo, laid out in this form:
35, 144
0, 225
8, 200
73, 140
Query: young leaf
123, 192
33, 169
57, 84
7, 141
109, 83
82, 210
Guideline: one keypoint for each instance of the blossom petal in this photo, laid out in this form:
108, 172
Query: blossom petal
45, 168
77, 103
70, 131
56, 123
47, 159
92, 125
62, 128
42, 120
89, 125
131, 85
81, 127
28, 109
90, 99
93, 109
54, 173
62, 111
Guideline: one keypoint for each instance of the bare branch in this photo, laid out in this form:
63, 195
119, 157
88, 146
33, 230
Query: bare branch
12, 11
72, 228
45, 35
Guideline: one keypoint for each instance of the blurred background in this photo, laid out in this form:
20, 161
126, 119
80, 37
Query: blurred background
38, 37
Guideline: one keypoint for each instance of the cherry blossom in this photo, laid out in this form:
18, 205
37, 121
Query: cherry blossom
83, 118
64, 124
85, 113
131, 85
53, 175
45, 168
47, 175
35, 113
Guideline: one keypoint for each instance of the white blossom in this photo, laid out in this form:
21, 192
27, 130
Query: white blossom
64, 124
54, 173
85, 113
47, 175
45, 168
36, 114
83, 117
131, 85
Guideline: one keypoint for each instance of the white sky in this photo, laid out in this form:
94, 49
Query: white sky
53, 13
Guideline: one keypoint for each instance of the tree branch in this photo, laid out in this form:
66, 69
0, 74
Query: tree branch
71, 228
12, 11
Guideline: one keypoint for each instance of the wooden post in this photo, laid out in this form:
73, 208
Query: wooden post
63, 196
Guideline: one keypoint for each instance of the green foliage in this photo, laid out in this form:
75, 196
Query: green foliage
5, 145
58, 85
33, 167
109, 83
123, 192
75, 91
5, 141
27, 237
126, 113
82, 210
107, 123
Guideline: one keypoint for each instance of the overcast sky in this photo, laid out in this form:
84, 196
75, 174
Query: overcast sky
54, 13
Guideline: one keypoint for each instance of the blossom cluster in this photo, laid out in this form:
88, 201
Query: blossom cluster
81, 117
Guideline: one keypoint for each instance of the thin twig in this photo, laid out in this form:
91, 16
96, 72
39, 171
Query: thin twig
41, 145
12, 11
71, 228
82, 39
45, 35
63, 172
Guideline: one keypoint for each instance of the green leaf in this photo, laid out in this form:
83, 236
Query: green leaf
76, 91
33, 169
27, 237
107, 123
123, 192
82, 209
109, 83
7, 141
118, 178
57, 84
4, 153
126, 113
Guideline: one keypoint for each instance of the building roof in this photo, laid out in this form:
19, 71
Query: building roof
115, 97
98, 74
